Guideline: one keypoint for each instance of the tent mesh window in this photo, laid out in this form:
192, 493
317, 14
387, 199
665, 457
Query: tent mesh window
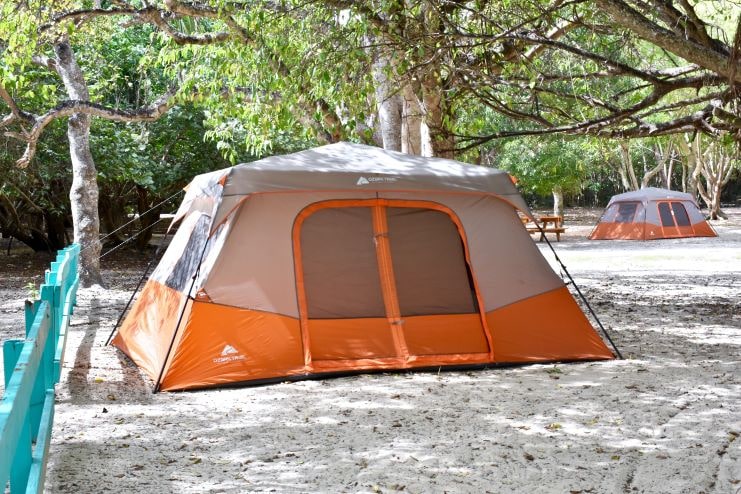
665, 213
429, 263
680, 214
626, 212
340, 265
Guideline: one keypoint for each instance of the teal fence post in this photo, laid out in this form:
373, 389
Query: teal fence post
31, 368
15, 417
11, 352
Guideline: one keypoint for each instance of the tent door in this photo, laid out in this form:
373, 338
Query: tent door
434, 285
344, 315
675, 221
385, 280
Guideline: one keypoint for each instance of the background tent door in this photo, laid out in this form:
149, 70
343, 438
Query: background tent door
385, 280
675, 222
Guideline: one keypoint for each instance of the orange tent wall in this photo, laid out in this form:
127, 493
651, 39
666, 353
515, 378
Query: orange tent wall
147, 332
221, 345
546, 327
647, 231
618, 231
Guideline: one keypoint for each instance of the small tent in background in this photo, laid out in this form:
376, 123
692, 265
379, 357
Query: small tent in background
347, 258
651, 213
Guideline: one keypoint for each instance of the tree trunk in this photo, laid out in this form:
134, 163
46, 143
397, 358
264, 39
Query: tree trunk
147, 218
691, 167
441, 141
662, 157
718, 164
112, 216
84, 191
388, 100
412, 132
627, 173
557, 201
435, 106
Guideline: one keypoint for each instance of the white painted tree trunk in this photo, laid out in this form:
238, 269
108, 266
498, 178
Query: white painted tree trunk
84, 191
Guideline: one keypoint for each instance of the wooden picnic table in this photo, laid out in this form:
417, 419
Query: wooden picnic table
544, 221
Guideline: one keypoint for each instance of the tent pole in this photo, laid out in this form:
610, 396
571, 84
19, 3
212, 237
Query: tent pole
581, 295
157, 383
138, 285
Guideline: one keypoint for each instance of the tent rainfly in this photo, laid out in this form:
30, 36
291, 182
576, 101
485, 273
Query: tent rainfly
348, 258
651, 213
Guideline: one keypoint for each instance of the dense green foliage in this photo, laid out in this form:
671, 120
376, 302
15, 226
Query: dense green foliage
537, 88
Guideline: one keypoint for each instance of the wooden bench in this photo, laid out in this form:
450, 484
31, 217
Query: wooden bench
558, 230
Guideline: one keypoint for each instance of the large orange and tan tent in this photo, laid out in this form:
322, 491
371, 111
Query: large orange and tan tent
347, 258
651, 213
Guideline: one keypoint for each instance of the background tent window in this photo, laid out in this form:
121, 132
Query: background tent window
666, 214
680, 214
626, 212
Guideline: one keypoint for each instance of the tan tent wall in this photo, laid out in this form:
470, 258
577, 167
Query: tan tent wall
256, 270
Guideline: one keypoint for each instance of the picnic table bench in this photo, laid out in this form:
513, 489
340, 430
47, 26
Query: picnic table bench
557, 228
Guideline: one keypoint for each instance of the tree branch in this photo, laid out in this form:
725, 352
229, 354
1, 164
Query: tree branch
709, 58
15, 112
71, 107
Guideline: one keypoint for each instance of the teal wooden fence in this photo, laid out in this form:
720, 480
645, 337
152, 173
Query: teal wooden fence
32, 367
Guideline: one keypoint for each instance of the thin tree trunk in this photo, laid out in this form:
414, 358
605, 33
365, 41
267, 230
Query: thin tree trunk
628, 175
84, 191
147, 218
557, 201
412, 123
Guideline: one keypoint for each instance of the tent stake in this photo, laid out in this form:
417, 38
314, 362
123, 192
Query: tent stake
581, 295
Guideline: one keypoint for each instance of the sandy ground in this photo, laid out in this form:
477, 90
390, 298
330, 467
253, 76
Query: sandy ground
664, 420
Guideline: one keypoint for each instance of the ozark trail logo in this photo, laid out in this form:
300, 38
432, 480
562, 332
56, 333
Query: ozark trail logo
376, 180
229, 354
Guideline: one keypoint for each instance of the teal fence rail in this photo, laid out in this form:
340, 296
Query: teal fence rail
32, 367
